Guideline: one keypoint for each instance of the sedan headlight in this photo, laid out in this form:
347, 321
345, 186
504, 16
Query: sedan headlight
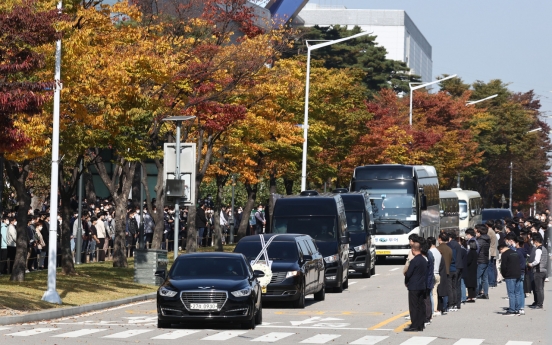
242, 292
360, 248
163, 291
292, 274
331, 259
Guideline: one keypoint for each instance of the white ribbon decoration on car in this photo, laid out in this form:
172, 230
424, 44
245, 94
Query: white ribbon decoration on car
266, 265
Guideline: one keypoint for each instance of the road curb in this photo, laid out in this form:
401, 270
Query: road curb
70, 311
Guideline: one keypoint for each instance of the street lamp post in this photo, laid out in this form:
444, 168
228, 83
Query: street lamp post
481, 100
412, 89
232, 224
178, 120
512, 169
307, 87
51, 295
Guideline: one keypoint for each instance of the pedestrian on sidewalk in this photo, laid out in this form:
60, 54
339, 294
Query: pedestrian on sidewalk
416, 282
511, 272
539, 267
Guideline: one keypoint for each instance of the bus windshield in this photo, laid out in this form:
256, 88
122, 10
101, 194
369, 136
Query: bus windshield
463, 209
394, 206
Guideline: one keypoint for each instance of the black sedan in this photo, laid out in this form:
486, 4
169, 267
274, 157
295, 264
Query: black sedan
217, 287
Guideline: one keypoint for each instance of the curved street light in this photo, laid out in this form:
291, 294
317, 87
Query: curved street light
422, 86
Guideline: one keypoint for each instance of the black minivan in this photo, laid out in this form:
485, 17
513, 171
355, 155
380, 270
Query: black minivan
297, 266
360, 224
323, 218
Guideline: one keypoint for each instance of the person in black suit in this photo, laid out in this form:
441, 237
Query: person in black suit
416, 283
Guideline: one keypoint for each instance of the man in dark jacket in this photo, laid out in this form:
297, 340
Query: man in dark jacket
201, 223
416, 283
484, 242
444, 289
510, 270
456, 266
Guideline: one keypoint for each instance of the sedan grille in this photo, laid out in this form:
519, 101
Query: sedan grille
204, 297
278, 277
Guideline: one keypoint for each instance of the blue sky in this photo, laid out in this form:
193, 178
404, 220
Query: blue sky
483, 40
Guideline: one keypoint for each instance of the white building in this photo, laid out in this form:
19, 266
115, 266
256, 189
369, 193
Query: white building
394, 29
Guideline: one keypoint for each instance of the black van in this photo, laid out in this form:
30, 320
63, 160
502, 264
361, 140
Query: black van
297, 266
322, 217
360, 224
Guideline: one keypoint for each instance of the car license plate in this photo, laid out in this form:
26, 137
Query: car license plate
203, 306
263, 289
383, 252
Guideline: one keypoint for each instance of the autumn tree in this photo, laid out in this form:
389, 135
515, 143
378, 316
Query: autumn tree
25, 28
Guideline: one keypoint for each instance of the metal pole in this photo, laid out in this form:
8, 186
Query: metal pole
51, 294
233, 217
511, 177
78, 240
177, 203
1, 185
141, 241
458, 181
411, 94
306, 124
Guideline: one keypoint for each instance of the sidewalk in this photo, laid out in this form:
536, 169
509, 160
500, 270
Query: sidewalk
71, 311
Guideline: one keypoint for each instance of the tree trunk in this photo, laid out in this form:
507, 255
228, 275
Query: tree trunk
191, 232
158, 217
249, 205
221, 181
17, 175
67, 264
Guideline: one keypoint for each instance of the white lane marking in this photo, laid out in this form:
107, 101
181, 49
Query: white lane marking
466, 341
127, 334
377, 274
394, 269
351, 283
4, 328
104, 310
79, 333
320, 339
224, 335
175, 334
519, 343
419, 341
32, 332
273, 337
312, 327
384, 329
369, 340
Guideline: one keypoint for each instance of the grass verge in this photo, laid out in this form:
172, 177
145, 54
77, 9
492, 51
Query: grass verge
95, 282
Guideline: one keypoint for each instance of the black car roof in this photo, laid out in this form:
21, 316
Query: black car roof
221, 255
280, 238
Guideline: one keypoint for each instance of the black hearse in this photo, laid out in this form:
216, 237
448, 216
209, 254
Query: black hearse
362, 253
323, 218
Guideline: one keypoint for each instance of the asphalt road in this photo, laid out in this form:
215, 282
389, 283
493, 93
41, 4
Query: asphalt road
370, 312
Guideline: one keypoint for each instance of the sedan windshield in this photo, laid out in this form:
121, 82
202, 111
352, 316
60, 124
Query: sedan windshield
278, 251
321, 228
195, 268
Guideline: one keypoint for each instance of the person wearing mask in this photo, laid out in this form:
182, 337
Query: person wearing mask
237, 219
132, 232
4, 246
11, 240
509, 266
428, 256
101, 235
39, 240
483, 261
94, 237
444, 290
415, 281
45, 217
518, 242
259, 220
438, 266
470, 272
493, 251
539, 266
149, 227
456, 266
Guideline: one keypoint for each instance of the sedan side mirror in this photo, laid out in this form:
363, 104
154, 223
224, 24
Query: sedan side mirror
161, 274
258, 274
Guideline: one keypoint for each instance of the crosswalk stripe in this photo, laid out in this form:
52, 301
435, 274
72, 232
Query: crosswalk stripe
369, 340
320, 338
175, 334
4, 328
272, 337
224, 335
519, 343
351, 283
79, 333
466, 341
419, 341
32, 332
127, 334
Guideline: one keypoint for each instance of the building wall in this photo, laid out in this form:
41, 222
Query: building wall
394, 29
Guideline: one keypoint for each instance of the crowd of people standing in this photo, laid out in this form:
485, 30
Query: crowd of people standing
445, 273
